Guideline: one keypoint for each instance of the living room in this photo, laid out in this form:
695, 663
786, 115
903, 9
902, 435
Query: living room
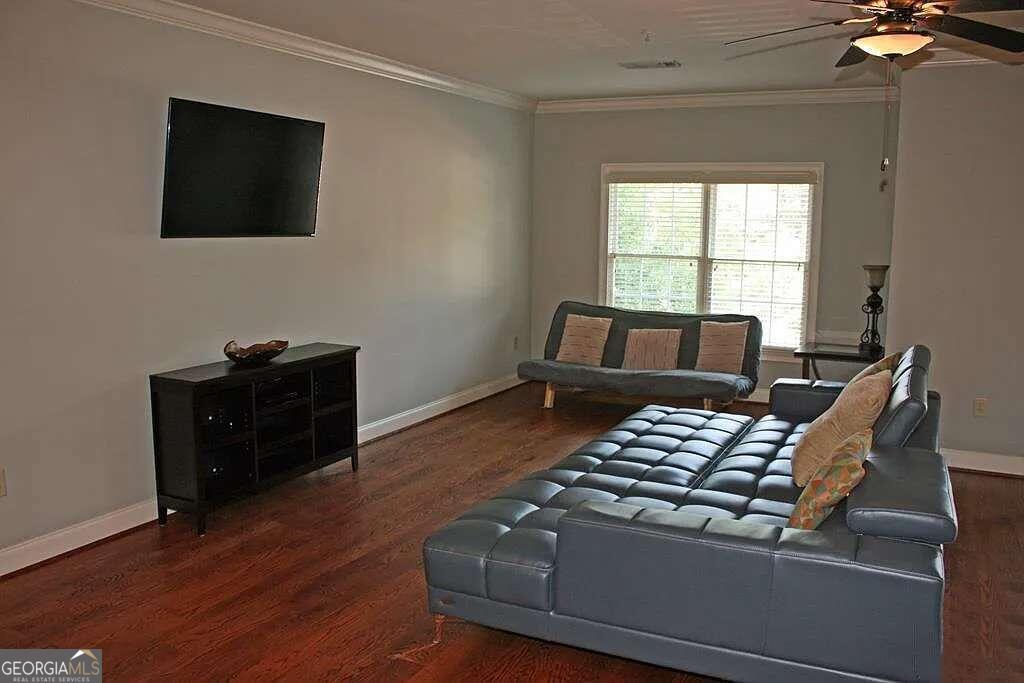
488, 180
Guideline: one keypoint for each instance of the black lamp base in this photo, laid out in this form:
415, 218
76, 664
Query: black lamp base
871, 340
873, 351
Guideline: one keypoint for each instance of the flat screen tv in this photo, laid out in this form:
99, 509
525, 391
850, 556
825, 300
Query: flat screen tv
236, 173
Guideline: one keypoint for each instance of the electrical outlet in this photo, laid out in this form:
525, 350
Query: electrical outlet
3, 482
515, 343
980, 407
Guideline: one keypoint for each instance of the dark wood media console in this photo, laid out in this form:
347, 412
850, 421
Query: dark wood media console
221, 431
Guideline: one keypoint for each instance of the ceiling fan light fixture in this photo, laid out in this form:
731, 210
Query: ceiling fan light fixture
893, 43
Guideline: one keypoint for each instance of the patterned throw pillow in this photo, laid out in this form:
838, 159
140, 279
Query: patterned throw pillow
856, 408
652, 350
888, 363
583, 339
722, 346
832, 482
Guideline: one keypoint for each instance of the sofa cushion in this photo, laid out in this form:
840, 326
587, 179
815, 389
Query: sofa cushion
753, 482
583, 340
721, 346
652, 350
832, 482
681, 383
504, 548
856, 409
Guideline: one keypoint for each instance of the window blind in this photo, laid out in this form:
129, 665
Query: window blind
655, 243
716, 247
712, 177
758, 256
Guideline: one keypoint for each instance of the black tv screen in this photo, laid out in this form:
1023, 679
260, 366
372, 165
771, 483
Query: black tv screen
236, 173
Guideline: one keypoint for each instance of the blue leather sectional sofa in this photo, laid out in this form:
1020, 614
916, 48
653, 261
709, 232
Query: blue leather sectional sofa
664, 540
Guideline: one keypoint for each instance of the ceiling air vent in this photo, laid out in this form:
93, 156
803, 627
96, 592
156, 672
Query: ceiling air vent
653, 64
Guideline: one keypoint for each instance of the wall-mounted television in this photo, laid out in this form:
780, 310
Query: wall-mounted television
237, 173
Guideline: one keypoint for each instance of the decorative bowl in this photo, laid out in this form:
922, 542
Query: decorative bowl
257, 354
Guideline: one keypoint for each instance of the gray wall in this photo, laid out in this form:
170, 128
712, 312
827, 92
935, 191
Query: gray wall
421, 255
957, 247
856, 218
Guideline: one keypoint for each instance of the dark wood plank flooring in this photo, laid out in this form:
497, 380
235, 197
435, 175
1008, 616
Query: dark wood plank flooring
321, 578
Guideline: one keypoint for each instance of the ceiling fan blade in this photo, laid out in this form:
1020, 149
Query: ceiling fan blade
835, 22
982, 5
856, 5
854, 55
986, 34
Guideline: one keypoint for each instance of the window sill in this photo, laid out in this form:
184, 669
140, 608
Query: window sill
775, 354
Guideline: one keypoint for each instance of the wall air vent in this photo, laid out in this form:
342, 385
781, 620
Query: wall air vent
653, 64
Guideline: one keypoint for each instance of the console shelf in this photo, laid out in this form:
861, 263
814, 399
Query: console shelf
221, 431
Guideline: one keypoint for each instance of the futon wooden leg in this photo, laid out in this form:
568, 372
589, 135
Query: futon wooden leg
161, 515
709, 404
549, 395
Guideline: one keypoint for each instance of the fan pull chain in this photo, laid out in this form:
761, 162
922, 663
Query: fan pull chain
885, 124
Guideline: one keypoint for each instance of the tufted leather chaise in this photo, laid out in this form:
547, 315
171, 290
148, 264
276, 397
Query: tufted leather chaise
664, 540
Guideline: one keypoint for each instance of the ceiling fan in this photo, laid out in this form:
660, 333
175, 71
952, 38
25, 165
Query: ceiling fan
898, 27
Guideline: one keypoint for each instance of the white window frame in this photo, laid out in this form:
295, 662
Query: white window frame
817, 168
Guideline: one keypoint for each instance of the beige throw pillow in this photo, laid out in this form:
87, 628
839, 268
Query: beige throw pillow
652, 350
888, 363
583, 339
856, 409
721, 346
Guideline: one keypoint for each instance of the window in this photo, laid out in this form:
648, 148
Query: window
714, 239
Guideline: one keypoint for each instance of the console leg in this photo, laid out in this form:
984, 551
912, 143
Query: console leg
549, 395
709, 404
355, 462
161, 515
201, 523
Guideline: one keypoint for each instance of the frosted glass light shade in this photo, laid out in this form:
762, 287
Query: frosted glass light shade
875, 276
898, 43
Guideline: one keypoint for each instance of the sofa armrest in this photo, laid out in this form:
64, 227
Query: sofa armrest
784, 593
802, 399
905, 494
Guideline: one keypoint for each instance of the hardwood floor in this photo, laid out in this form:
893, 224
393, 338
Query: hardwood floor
321, 578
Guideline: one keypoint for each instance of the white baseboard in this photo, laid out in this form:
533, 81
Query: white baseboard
41, 548
991, 463
36, 550
407, 418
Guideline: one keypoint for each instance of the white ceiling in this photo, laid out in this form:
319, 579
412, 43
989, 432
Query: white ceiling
551, 49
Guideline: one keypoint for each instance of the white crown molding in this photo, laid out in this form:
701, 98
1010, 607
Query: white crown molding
251, 33
731, 99
961, 61
958, 59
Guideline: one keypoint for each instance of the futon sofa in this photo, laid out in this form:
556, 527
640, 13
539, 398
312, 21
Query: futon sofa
664, 540
684, 382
